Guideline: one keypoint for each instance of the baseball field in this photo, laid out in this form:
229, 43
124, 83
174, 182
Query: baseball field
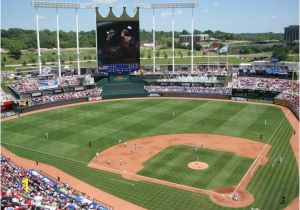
70, 130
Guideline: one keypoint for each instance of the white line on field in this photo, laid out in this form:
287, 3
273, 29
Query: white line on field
122, 181
260, 155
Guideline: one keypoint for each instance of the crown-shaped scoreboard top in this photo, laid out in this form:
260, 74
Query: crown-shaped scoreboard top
123, 17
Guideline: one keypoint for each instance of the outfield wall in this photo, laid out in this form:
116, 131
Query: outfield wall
287, 104
196, 95
49, 105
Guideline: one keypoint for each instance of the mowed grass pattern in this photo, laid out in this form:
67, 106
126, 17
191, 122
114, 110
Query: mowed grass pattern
225, 169
71, 128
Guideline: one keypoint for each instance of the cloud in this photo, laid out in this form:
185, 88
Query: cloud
205, 10
178, 12
165, 14
273, 17
162, 23
169, 13
216, 3
42, 17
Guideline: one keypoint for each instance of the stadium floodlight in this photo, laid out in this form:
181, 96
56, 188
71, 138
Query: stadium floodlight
65, 5
173, 6
59, 5
167, 5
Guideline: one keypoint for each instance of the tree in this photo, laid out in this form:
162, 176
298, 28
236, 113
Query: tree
180, 53
4, 59
85, 57
142, 54
165, 55
157, 54
245, 50
296, 49
280, 51
189, 53
62, 61
169, 43
15, 52
43, 62
149, 55
33, 60
24, 63
2, 64
185, 32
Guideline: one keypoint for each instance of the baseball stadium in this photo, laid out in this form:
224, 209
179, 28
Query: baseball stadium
127, 136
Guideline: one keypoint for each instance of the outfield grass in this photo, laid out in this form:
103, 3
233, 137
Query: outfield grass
71, 128
225, 169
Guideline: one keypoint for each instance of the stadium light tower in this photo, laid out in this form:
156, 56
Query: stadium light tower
61, 5
173, 6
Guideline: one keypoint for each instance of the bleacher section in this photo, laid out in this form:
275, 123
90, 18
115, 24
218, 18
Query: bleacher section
123, 90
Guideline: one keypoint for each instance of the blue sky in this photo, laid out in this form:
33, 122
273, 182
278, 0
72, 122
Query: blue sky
239, 16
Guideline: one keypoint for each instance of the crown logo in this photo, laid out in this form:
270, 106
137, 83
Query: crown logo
112, 17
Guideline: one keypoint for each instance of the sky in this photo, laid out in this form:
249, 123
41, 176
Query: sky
235, 16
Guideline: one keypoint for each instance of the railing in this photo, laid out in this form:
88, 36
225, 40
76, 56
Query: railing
105, 205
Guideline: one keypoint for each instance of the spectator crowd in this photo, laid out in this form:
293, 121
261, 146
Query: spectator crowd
40, 195
65, 96
292, 97
183, 89
32, 84
267, 84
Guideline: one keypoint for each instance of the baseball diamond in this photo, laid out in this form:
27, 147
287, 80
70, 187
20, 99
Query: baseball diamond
166, 105
148, 169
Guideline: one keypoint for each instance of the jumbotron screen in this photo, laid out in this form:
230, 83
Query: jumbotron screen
118, 46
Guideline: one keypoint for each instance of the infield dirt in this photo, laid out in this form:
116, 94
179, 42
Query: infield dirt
220, 196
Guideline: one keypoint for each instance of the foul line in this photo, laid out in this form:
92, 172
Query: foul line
259, 156
45, 153
122, 181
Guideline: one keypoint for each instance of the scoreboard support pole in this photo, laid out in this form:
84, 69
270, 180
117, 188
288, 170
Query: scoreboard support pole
56, 5
153, 34
172, 6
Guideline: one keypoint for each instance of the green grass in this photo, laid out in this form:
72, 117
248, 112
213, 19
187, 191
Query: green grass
187, 60
88, 58
71, 128
225, 169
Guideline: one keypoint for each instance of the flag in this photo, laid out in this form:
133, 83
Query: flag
25, 182
224, 49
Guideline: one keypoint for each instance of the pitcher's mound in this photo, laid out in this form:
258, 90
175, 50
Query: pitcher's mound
198, 165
